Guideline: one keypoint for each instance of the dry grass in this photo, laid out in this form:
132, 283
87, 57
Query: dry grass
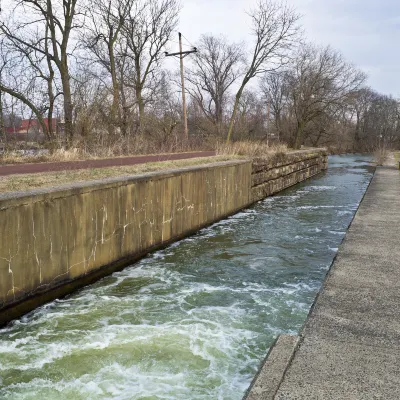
251, 149
24, 182
392, 159
396, 156
15, 157
380, 156
95, 148
135, 146
59, 155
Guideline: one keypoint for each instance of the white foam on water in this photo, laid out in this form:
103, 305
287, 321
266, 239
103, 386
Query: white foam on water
339, 233
114, 381
320, 188
243, 214
269, 202
119, 381
158, 255
317, 207
300, 287
311, 189
342, 213
34, 355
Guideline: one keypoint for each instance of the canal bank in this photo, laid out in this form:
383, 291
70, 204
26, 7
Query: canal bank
349, 347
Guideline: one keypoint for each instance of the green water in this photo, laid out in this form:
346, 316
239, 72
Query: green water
195, 320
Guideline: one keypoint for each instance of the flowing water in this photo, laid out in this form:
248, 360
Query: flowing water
194, 320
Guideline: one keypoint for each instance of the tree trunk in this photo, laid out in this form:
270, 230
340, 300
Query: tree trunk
140, 102
3, 137
124, 114
234, 112
299, 134
50, 134
357, 133
123, 110
28, 103
115, 114
218, 116
68, 107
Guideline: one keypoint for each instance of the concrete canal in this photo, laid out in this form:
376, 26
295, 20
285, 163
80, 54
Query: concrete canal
194, 320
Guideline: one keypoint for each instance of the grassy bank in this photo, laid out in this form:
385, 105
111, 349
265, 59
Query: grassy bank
13, 183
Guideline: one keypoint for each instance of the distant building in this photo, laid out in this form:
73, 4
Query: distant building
29, 129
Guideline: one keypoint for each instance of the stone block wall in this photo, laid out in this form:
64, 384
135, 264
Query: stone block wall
270, 176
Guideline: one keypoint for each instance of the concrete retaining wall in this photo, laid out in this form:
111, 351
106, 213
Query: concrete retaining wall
56, 240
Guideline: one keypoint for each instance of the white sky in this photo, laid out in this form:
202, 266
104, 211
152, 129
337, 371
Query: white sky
367, 32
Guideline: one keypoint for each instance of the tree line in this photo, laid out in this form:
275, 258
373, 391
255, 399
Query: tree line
99, 67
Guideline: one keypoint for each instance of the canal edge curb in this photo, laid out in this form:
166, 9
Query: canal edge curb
273, 368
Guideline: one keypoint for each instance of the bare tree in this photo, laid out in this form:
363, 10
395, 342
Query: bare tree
102, 38
116, 79
275, 29
321, 82
2, 127
274, 87
3, 136
20, 70
361, 101
380, 122
215, 68
147, 30
313, 91
45, 27
251, 117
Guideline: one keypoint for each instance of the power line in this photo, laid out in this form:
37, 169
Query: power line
189, 42
174, 41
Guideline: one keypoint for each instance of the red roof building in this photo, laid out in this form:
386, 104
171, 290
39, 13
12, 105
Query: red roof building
30, 126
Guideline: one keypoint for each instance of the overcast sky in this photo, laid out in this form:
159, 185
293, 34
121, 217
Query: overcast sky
367, 32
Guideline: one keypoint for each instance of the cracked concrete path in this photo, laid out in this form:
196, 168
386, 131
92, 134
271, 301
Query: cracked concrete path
350, 345
33, 168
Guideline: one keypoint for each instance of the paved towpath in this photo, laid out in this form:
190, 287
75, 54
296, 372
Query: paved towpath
350, 346
32, 168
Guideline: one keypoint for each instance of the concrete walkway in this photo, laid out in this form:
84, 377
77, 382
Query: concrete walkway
350, 345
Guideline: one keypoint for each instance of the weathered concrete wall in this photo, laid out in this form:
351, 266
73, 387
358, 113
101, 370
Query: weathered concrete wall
53, 241
57, 236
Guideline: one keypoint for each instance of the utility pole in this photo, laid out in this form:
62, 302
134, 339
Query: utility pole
182, 55
2, 129
268, 117
183, 89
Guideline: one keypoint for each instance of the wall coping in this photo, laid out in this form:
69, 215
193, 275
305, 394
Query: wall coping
15, 199
294, 155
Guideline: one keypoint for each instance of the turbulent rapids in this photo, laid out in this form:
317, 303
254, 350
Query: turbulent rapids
195, 320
